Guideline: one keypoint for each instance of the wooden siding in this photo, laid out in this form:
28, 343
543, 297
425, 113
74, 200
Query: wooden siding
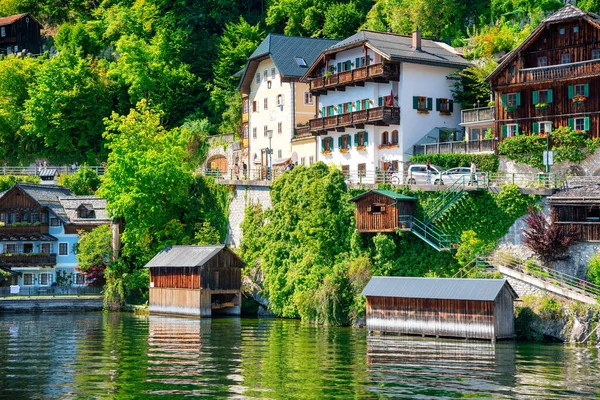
380, 222
504, 314
431, 317
577, 216
180, 301
176, 278
24, 34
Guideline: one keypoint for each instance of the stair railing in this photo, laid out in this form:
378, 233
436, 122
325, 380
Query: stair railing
447, 198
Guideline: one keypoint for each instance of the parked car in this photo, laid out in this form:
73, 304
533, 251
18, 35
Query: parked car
450, 176
417, 174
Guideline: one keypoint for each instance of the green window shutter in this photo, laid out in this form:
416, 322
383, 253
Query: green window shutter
322, 111
504, 131
366, 136
550, 96
323, 144
534, 96
357, 105
415, 102
349, 107
586, 124
550, 126
571, 91
340, 109
451, 105
380, 101
348, 65
340, 142
367, 60
357, 62
516, 129
438, 104
571, 123
536, 127
339, 67
367, 104
586, 90
356, 139
504, 100
429, 103
518, 96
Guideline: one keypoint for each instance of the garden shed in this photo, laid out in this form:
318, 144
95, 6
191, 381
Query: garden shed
379, 210
196, 280
447, 307
579, 207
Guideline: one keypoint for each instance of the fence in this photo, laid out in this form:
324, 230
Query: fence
35, 171
53, 291
472, 146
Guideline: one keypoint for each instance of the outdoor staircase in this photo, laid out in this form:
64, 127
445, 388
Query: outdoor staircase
448, 199
556, 282
430, 234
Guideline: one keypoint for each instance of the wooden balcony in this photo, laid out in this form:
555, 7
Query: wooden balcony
358, 119
476, 115
356, 77
552, 72
27, 260
302, 132
24, 230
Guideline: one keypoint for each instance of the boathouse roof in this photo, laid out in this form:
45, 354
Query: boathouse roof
436, 288
585, 194
187, 256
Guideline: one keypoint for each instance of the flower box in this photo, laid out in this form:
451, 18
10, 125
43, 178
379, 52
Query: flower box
326, 152
423, 111
510, 109
578, 99
361, 148
445, 113
541, 106
386, 146
344, 150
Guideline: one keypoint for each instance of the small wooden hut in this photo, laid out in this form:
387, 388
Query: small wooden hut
379, 210
448, 307
579, 207
196, 280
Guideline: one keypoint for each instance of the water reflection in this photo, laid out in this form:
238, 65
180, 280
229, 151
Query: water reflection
125, 356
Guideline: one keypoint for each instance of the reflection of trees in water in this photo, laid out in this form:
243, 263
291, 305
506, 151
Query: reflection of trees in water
428, 367
193, 356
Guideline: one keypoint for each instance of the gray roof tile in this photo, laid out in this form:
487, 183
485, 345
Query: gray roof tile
185, 256
435, 288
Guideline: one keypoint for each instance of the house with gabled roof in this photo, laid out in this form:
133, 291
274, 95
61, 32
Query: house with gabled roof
276, 105
380, 94
552, 79
20, 33
39, 229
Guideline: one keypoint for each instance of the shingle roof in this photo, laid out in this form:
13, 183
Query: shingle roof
387, 193
72, 203
26, 237
569, 11
11, 19
436, 288
185, 256
399, 48
48, 196
585, 194
283, 50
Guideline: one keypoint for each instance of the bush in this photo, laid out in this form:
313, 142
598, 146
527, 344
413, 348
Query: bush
524, 149
549, 240
484, 162
593, 269
84, 182
8, 181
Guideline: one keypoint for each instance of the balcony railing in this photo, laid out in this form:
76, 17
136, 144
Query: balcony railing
24, 230
572, 70
302, 131
383, 115
482, 114
379, 72
26, 260
472, 146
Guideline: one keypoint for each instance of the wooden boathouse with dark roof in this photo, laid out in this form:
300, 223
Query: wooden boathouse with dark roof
441, 307
379, 210
196, 280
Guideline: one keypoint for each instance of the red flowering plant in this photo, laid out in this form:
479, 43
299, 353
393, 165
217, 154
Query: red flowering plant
578, 98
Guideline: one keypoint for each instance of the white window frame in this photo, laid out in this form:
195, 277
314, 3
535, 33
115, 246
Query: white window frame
265, 131
32, 279
254, 133
511, 99
302, 160
52, 220
563, 56
511, 130
576, 121
3, 31
77, 275
311, 160
59, 249
580, 92
44, 244
308, 99
266, 103
544, 127
545, 91
48, 276
258, 78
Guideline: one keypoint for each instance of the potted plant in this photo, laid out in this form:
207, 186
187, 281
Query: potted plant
422, 111
578, 99
541, 106
326, 152
361, 148
344, 150
510, 109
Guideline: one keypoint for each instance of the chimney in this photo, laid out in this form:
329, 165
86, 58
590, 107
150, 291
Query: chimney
416, 39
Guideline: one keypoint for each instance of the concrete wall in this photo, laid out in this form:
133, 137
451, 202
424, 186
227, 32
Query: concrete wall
55, 304
249, 193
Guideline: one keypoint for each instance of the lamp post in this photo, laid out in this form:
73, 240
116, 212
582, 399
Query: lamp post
270, 135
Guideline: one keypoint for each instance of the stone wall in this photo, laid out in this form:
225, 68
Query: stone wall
51, 304
590, 166
245, 194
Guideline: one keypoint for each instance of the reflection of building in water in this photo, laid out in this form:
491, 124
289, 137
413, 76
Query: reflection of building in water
456, 365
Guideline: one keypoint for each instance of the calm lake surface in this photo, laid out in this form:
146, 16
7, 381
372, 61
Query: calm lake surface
77, 356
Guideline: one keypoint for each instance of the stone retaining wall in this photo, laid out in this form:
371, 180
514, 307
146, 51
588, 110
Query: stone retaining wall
245, 194
51, 304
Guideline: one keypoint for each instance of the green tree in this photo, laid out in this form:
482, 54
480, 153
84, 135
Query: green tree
67, 104
83, 182
94, 248
342, 20
78, 38
470, 87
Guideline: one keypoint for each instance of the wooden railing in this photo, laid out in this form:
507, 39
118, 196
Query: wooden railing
389, 115
477, 115
27, 259
23, 230
472, 146
572, 70
375, 71
302, 131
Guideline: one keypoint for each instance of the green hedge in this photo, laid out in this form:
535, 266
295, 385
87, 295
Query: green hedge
484, 162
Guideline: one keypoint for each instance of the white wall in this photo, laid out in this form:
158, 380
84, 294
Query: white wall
352, 54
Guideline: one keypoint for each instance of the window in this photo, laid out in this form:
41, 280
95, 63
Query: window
46, 248
35, 217
19, 248
268, 84
561, 31
475, 134
395, 138
311, 160
266, 74
421, 103
280, 127
543, 97
79, 279
579, 90
4, 217
266, 103
385, 138
308, 99
27, 279
565, 58
3, 31
265, 131
54, 222
360, 62
258, 78
348, 107
254, 135
28, 248
45, 279
254, 106
376, 208
596, 54
575, 29
542, 128
511, 100
362, 170
346, 170
272, 73
364, 104
279, 99
510, 130
245, 106
511, 70
542, 61
580, 124
327, 144
302, 160
330, 110
444, 105
344, 142
245, 132
10, 248
300, 61
361, 139
63, 249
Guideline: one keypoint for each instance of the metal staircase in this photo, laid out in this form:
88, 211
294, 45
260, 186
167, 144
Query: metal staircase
430, 234
449, 198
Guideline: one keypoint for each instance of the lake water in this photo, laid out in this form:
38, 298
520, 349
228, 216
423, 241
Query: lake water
77, 356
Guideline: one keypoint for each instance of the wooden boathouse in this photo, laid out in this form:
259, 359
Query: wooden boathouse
196, 280
378, 210
578, 207
441, 307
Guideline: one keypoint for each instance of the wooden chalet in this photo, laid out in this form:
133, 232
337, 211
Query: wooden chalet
20, 33
379, 210
441, 307
196, 280
579, 207
552, 79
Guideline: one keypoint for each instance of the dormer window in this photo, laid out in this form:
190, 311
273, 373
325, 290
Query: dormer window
86, 211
